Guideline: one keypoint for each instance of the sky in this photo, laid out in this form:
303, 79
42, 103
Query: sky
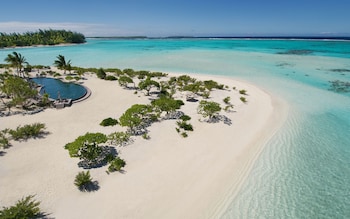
160, 18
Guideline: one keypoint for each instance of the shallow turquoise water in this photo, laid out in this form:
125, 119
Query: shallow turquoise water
304, 171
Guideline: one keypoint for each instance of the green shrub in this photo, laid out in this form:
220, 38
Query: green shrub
109, 122
243, 92
110, 78
243, 99
74, 146
27, 131
69, 78
185, 126
184, 134
56, 74
185, 118
101, 73
83, 180
24, 208
116, 165
227, 100
89, 151
119, 138
4, 141
206, 108
146, 136
206, 94
228, 108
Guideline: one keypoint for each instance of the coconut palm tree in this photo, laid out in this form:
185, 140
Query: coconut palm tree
61, 63
16, 60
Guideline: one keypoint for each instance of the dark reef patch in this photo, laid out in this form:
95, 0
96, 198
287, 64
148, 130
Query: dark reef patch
296, 52
340, 86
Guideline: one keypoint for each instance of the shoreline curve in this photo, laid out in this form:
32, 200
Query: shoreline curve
166, 176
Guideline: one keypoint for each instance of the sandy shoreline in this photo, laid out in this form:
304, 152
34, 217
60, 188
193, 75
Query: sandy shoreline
166, 177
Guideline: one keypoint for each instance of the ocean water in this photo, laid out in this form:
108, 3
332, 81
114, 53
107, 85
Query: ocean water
304, 170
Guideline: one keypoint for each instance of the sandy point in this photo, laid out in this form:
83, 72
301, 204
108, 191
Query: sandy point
167, 176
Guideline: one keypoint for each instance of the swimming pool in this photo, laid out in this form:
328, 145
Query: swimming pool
59, 89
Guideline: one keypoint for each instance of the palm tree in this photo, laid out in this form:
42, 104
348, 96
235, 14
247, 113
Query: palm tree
61, 63
16, 60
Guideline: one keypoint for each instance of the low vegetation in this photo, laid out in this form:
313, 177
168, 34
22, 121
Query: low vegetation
116, 164
208, 108
243, 99
184, 126
243, 92
89, 138
83, 181
21, 133
109, 122
119, 138
229, 105
24, 208
4, 140
17, 90
96, 149
27, 131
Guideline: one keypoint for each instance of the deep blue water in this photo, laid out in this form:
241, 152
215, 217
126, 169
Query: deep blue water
304, 170
55, 87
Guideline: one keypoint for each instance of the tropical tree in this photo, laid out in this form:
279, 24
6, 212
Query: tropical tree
61, 63
18, 90
40, 37
166, 104
148, 84
134, 116
88, 138
208, 108
16, 60
101, 73
125, 80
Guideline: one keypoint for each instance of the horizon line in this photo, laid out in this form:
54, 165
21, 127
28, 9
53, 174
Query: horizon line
340, 37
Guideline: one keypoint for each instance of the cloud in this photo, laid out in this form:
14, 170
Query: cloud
88, 29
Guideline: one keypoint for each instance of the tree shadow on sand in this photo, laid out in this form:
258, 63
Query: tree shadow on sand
90, 187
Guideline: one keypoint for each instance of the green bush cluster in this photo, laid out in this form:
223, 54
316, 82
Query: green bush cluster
27, 131
83, 180
185, 118
109, 122
24, 208
101, 73
185, 126
119, 138
116, 164
243, 99
73, 147
243, 92
111, 78
4, 141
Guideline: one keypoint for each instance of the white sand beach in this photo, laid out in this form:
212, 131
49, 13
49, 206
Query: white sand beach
167, 176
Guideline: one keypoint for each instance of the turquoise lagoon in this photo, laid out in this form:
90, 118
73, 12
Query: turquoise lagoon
304, 170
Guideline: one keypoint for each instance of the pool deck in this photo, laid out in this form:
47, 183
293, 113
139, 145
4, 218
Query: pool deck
87, 95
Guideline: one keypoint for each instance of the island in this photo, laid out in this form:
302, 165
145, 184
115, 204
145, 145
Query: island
176, 144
